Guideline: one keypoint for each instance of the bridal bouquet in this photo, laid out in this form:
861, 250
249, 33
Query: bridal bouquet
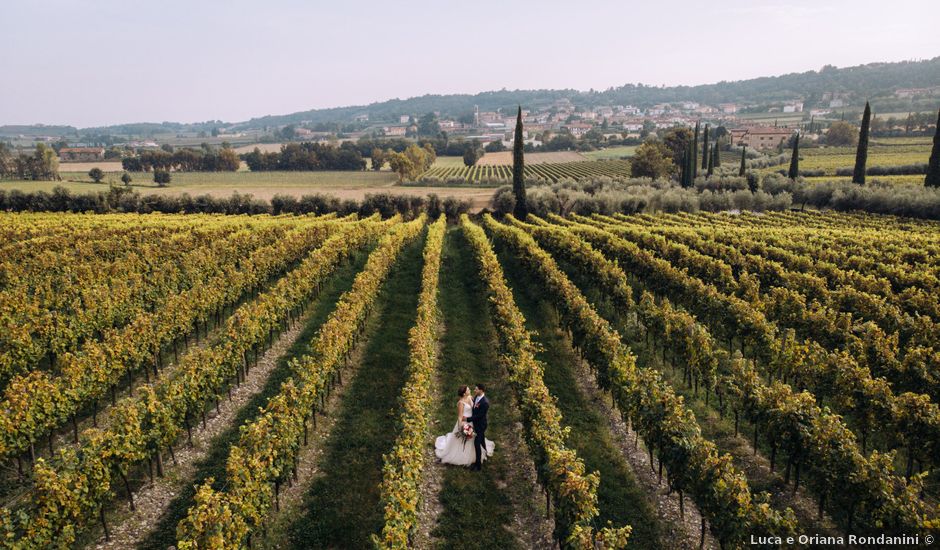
467, 431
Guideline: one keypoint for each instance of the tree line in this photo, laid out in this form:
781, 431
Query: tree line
183, 160
306, 156
40, 165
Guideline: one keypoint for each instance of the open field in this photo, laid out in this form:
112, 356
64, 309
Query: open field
263, 147
283, 372
505, 157
624, 151
781, 119
908, 178
913, 140
447, 162
84, 167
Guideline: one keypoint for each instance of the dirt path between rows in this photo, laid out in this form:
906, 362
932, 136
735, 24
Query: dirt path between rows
153, 499
681, 531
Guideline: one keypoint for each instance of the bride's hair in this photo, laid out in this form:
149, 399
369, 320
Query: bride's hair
461, 391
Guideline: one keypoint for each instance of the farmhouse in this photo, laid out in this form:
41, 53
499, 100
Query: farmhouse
81, 154
394, 130
577, 129
915, 92
760, 137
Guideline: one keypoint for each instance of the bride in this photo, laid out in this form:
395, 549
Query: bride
454, 448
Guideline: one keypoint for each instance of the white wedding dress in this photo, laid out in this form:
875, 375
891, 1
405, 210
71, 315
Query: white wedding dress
452, 448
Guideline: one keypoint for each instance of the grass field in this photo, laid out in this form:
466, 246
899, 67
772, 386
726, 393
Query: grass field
611, 153
263, 147
912, 178
782, 119
913, 140
447, 162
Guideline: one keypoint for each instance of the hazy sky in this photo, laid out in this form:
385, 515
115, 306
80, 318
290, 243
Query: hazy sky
95, 62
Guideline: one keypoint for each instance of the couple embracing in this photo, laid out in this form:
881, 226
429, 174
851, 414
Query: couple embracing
466, 444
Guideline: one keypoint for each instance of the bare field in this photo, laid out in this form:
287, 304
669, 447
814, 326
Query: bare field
84, 167
505, 157
263, 147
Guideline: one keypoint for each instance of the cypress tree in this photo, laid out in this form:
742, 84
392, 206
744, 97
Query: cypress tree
682, 168
689, 165
861, 154
742, 171
717, 155
933, 167
694, 156
711, 163
518, 166
795, 159
705, 160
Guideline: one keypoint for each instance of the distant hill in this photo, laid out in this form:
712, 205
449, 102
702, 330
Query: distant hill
874, 80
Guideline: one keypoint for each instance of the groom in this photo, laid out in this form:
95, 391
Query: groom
480, 407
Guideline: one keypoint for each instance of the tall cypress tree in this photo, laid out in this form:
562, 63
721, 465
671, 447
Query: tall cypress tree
682, 168
933, 167
518, 167
861, 154
742, 171
693, 158
689, 165
795, 159
705, 159
717, 154
711, 163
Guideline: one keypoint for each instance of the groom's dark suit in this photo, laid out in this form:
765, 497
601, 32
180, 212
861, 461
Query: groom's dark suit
480, 409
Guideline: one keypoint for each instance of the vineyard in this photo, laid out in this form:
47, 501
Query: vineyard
658, 380
549, 172
890, 159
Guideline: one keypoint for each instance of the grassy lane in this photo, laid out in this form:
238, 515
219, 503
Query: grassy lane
342, 507
621, 500
164, 533
475, 505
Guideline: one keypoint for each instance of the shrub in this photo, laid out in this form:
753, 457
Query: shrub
161, 177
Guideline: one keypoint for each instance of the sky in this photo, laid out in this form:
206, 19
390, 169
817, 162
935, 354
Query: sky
99, 62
